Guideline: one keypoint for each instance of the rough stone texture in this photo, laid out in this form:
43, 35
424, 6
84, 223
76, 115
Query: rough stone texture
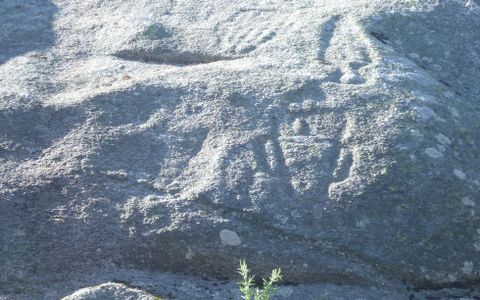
110, 291
337, 140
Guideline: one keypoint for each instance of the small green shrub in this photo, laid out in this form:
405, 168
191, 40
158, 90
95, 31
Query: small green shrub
247, 288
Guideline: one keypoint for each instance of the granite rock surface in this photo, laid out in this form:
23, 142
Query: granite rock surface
337, 140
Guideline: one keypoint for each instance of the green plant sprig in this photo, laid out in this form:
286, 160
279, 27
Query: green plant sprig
247, 287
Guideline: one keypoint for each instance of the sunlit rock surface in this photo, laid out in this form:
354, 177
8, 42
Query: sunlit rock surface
337, 140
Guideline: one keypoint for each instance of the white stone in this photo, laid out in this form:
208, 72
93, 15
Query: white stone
414, 55
230, 238
442, 139
467, 268
433, 153
468, 202
449, 94
459, 174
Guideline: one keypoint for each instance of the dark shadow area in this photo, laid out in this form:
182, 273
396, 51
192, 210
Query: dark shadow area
445, 42
25, 26
30, 131
418, 218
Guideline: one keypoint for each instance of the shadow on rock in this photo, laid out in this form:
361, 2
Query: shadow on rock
25, 26
445, 42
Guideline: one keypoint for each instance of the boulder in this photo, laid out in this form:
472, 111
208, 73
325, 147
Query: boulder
337, 140
110, 291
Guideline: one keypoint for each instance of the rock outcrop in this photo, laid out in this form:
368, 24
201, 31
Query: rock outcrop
338, 140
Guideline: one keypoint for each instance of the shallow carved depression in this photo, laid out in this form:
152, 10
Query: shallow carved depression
167, 46
162, 56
